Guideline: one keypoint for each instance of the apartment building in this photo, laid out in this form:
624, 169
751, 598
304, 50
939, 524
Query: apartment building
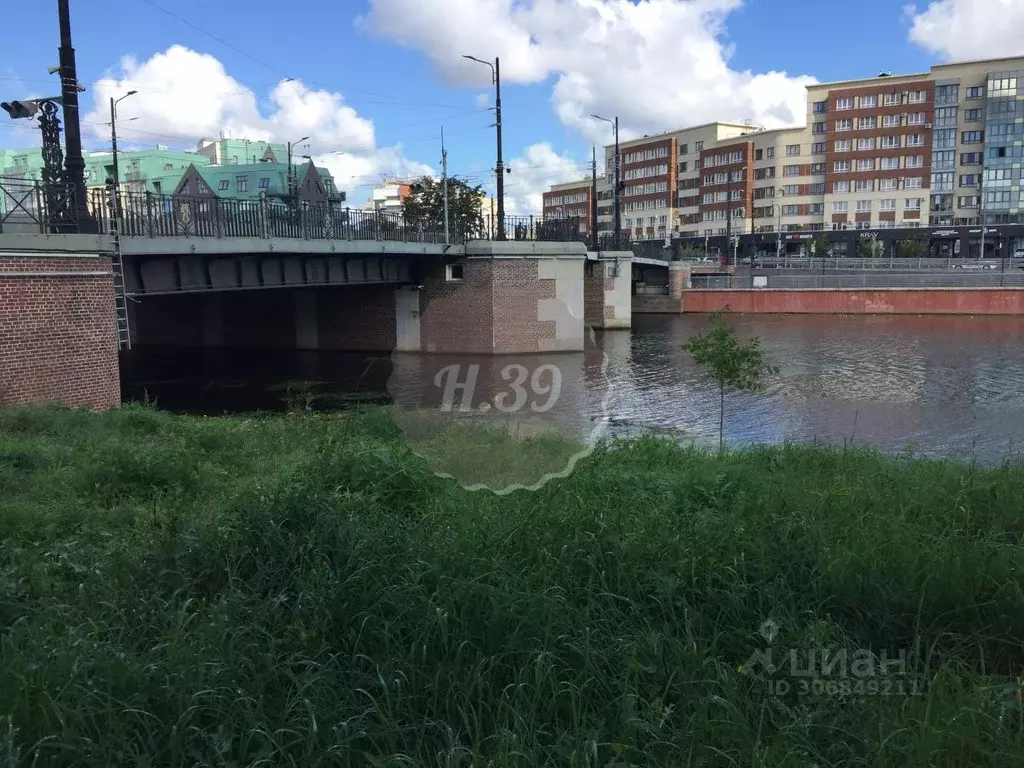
935, 150
569, 201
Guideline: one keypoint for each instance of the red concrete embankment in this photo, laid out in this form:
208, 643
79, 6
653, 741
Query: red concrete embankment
870, 301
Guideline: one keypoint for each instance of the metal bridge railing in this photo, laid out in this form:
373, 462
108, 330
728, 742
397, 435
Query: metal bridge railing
28, 206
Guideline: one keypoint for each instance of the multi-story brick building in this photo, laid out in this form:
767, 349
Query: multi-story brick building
570, 201
933, 152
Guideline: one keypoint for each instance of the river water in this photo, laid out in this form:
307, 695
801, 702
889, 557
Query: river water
939, 386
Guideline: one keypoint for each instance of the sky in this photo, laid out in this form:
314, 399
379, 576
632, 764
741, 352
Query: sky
374, 82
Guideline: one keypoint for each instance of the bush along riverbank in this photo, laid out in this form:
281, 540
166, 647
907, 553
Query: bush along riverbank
297, 591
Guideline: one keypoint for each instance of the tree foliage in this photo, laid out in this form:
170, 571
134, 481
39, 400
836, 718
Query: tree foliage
912, 248
728, 362
425, 207
821, 244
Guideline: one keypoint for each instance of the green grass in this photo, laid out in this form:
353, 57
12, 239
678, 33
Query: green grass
297, 590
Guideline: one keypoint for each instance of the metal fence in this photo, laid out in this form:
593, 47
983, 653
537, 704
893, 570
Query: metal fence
29, 206
26, 206
987, 279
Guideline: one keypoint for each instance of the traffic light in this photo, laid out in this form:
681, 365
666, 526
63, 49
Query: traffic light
20, 109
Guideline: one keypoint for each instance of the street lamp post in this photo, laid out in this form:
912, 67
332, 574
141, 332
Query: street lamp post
499, 167
113, 146
74, 163
617, 199
291, 172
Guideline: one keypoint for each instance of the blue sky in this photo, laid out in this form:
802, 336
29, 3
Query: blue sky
392, 79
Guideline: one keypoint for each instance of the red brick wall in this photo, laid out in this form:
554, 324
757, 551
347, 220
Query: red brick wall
517, 289
926, 301
356, 318
58, 339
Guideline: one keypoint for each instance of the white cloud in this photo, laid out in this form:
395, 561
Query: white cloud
658, 64
483, 100
536, 169
184, 95
359, 171
969, 29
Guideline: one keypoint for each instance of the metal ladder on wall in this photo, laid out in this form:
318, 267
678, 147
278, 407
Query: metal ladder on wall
124, 336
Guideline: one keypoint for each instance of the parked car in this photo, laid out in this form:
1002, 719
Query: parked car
1019, 253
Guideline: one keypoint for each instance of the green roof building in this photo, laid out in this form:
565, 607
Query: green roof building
248, 181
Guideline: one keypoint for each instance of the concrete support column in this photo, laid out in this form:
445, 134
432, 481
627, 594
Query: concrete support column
678, 280
306, 330
407, 319
213, 320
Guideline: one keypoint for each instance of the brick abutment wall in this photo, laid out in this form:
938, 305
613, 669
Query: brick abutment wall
58, 331
889, 301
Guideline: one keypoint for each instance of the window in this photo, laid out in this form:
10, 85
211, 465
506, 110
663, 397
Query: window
684, 149
887, 205
942, 182
1001, 196
913, 182
242, 183
863, 206
971, 137
997, 152
944, 139
945, 117
682, 167
999, 177
915, 140
973, 201
1002, 86
890, 121
816, 189
912, 204
946, 94
887, 225
818, 148
917, 118
820, 107
791, 170
867, 123
770, 152
944, 161
737, 175
970, 158
791, 189
840, 187
792, 150
842, 207
844, 125
819, 127
841, 166
736, 157
817, 169
698, 146
224, 184
719, 197
816, 209
891, 99
890, 142
865, 144
457, 272
843, 145
917, 97
868, 101
974, 115
663, 220
890, 163
758, 154
844, 103
976, 92
970, 180
887, 185
866, 164
265, 182
864, 185
737, 194
789, 210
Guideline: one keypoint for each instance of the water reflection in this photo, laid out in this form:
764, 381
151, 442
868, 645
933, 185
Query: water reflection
951, 386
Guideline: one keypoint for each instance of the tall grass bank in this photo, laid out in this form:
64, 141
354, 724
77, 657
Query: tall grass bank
289, 591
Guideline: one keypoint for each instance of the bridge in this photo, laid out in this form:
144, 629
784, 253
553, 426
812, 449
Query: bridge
262, 274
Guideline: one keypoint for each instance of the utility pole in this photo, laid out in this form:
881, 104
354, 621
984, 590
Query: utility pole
444, 187
74, 163
499, 167
778, 239
617, 194
593, 194
981, 211
728, 210
113, 147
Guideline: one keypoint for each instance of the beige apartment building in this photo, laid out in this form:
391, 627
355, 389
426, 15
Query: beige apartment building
936, 150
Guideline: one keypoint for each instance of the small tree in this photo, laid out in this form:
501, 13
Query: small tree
728, 362
912, 248
425, 207
821, 245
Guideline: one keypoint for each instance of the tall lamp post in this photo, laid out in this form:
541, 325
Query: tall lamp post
113, 146
74, 163
291, 172
499, 167
617, 198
